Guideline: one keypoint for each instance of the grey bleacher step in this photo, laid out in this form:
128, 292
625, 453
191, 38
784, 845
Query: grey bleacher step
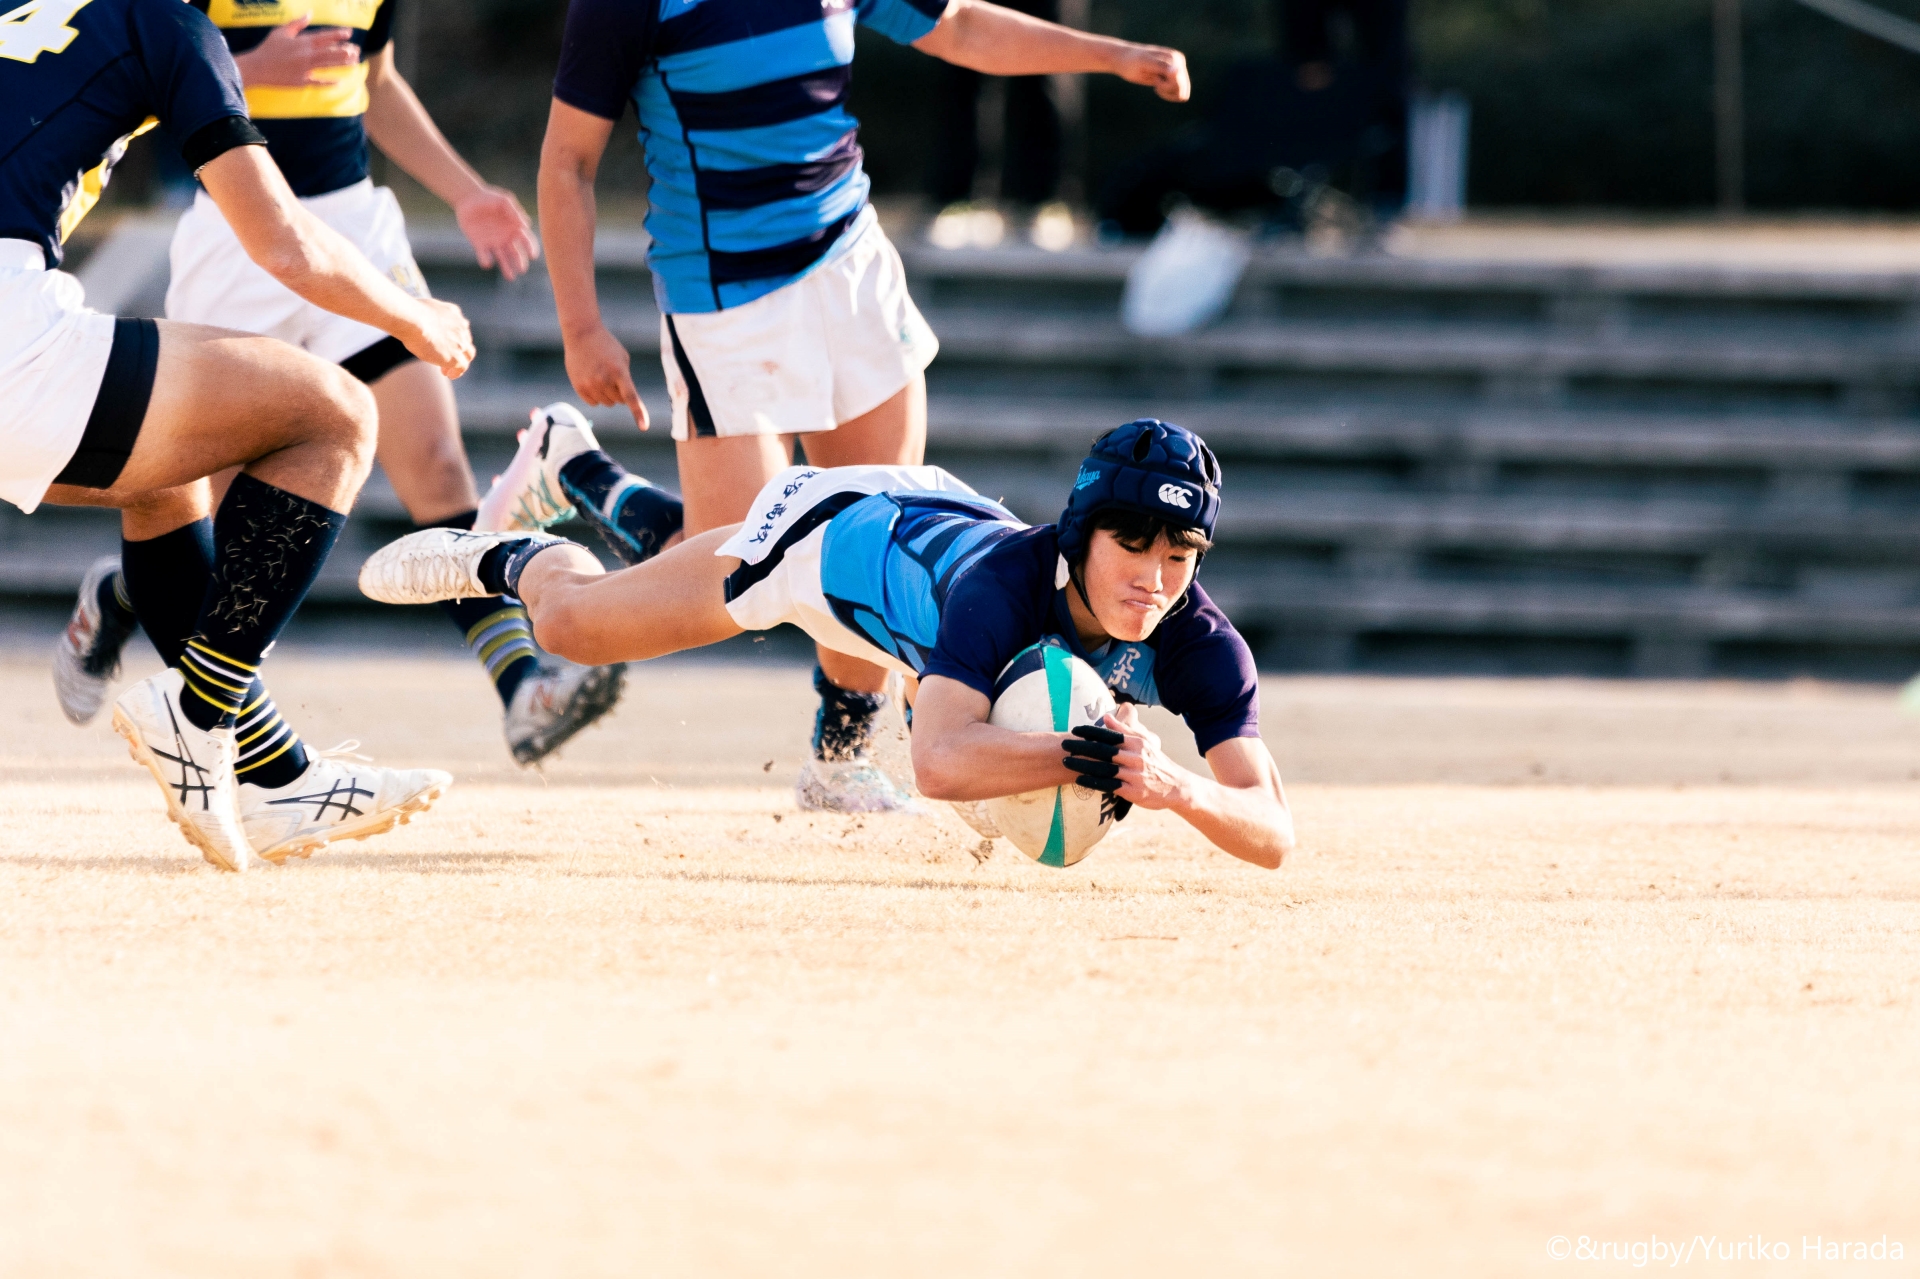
1259, 600
1240, 429
1519, 352
619, 249
1255, 429
1275, 513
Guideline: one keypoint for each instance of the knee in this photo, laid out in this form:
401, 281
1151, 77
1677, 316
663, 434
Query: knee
166, 509
348, 419
561, 627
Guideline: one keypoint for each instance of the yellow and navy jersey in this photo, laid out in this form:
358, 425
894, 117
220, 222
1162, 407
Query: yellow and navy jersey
80, 79
316, 133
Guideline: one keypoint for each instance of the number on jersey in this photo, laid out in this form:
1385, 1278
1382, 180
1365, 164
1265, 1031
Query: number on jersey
37, 27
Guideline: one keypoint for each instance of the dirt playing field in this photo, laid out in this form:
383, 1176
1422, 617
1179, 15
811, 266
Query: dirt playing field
1556, 960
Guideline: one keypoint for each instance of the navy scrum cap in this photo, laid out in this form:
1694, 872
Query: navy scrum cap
1150, 466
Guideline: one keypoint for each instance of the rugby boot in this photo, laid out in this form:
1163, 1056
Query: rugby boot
434, 564
339, 796
557, 701
87, 656
194, 767
528, 496
855, 785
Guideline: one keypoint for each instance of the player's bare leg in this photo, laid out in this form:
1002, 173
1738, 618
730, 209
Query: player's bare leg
673, 602
420, 447
224, 399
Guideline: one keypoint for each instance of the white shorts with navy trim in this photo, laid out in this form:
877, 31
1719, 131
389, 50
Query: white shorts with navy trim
838, 342
778, 547
53, 354
215, 282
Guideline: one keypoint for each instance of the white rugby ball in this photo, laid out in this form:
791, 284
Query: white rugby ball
1048, 690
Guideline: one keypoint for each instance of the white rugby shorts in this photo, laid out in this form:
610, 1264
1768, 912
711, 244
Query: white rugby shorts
838, 342
53, 353
215, 282
779, 549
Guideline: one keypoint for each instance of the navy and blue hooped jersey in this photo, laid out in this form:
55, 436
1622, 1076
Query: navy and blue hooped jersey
958, 587
888, 563
316, 133
80, 79
754, 159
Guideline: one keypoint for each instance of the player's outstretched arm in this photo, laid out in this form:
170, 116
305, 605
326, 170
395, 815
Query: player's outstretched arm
986, 37
957, 755
1242, 807
597, 365
318, 263
490, 217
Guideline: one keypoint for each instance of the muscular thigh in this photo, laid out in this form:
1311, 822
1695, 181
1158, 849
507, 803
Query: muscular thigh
223, 399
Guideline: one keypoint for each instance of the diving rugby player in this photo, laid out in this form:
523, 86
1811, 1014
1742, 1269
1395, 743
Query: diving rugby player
909, 569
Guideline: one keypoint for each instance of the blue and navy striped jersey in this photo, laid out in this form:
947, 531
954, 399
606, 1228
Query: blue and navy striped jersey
754, 159
958, 587
80, 79
317, 132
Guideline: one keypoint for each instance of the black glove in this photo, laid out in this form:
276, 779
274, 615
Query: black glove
1091, 753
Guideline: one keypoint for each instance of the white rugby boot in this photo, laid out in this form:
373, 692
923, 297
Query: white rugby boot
557, 701
87, 656
434, 564
339, 796
194, 767
852, 786
527, 496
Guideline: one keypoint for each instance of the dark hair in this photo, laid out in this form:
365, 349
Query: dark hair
1138, 529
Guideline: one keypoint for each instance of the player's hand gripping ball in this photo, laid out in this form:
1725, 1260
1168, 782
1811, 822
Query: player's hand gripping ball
1048, 690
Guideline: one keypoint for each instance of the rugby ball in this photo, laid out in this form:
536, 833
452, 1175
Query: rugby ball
1048, 690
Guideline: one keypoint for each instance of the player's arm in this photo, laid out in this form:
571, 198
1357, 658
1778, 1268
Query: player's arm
1242, 807
316, 262
957, 755
986, 37
489, 216
597, 365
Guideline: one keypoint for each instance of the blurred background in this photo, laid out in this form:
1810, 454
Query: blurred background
1579, 337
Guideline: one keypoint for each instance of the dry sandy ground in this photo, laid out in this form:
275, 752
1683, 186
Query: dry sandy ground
1556, 959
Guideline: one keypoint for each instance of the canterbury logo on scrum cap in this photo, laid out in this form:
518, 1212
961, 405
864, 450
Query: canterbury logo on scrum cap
1174, 495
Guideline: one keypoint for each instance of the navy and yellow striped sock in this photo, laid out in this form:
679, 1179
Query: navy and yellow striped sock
215, 680
496, 629
270, 753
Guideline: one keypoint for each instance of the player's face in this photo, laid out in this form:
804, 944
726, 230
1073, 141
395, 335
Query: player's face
1132, 587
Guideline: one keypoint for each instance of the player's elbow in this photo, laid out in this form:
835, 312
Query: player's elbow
288, 258
934, 772
1272, 852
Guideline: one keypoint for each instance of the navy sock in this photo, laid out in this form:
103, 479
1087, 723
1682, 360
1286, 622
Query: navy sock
269, 546
500, 568
634, 517
843, 727
495, 628
166, 580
